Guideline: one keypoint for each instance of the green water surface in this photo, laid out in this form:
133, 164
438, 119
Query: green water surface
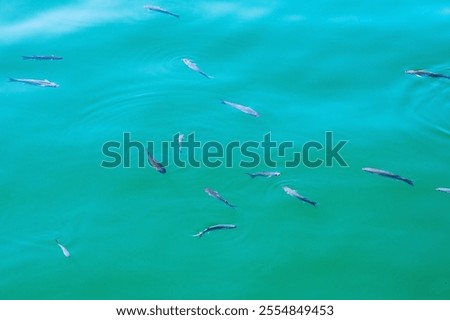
307, 68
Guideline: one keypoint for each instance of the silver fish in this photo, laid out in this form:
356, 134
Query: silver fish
51, 57
388, 174
423, 73
180, 140
155, 164
242, 108
215, 227
161, 10
295, 194
216, 195
39, 83
446, 190
193, 66
267, 174
64, 250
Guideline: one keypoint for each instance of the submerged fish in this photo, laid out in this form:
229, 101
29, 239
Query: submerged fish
216, 195
423, 73
180, 140
388, 175
215, 227
446, 190
161, 10
295, 194
267, 174
51, 57
39, 83
64, 250
242, 108
193, 66
155, 164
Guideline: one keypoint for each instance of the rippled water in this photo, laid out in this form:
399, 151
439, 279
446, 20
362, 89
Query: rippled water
307, 68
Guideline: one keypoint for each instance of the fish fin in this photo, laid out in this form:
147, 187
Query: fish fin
250, 174
26, 57
11, 79
198, 235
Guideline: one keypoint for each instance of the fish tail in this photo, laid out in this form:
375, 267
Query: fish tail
250, 174
26, 57
176, 15
198, 235
12, 79
231, 205
206, 75
408, 181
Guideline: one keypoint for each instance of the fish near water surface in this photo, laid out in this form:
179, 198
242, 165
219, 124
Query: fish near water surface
445, 190
388, 174
215, 227
161, 10
63, 249
424, 73
241, 108
295, 194
193, 66
155, 164
50, 57
180, 141
266, 174
34, 82
216, 195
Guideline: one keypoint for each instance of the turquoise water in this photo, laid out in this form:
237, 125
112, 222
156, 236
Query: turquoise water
307, 68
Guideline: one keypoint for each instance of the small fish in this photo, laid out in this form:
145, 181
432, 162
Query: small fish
155, 164
180, 140
446, 190
295, 194
242, 108
193, 66
51, 57
423, 73
215, 227
161, 10
39, 83
64, 250
216, 195
267, 174
388, 175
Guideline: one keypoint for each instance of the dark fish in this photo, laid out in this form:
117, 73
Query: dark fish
423, 73
63, 249
51, 57
161, 10
216, 195
388, 174
39, 83
295, 194
267, 174
155, 164
215, 227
